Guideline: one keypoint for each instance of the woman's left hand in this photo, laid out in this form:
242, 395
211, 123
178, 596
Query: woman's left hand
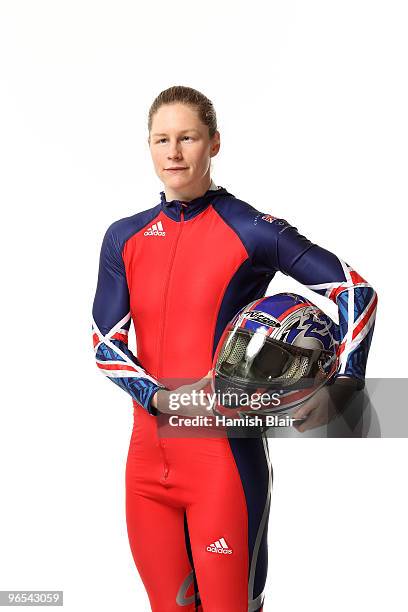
317, 411
326, 404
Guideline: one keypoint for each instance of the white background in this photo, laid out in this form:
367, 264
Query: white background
312, 105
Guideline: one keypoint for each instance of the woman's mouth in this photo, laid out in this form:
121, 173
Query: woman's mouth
175, 169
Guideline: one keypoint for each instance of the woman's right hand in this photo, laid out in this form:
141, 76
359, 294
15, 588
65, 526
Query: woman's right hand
198, 405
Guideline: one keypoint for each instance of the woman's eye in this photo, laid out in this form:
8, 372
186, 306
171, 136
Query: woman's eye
187, 138
161, 140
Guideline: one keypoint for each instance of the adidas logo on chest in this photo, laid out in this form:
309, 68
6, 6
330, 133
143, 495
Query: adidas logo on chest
156, 229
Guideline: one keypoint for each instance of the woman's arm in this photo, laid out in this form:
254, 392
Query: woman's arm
281, 247
111, 323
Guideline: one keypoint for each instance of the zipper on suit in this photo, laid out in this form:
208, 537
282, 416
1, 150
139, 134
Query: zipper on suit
162, 444
166, 291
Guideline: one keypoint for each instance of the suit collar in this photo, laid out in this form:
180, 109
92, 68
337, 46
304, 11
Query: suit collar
173, 208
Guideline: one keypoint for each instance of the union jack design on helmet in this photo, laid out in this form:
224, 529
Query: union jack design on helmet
282, 343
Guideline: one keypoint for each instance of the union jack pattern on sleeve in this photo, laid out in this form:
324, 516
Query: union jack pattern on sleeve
357, 303
117, 362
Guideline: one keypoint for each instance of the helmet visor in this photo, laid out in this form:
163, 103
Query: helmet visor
255, 359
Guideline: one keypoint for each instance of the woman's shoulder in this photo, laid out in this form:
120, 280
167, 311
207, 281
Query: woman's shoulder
124, 228
236, 210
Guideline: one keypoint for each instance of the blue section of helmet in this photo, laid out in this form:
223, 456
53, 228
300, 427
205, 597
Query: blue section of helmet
282, 305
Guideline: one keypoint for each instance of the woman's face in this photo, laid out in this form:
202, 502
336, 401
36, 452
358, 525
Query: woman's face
181, 148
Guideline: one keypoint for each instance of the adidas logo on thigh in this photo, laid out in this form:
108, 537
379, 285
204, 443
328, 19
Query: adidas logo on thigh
220, 547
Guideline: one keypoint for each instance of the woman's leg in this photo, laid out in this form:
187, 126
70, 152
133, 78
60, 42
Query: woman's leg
228, 523
157, 540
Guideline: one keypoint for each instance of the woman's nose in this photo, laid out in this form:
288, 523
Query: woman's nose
174, 151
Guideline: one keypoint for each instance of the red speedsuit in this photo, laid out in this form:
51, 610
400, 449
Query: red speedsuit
197, 508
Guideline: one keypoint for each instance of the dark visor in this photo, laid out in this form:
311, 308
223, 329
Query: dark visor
274, 362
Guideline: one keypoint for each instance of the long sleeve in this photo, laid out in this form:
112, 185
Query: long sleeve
111, 323
281, 247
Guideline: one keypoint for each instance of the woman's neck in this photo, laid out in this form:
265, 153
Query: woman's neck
190, 193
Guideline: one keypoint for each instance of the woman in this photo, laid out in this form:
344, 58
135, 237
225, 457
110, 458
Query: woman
197, 508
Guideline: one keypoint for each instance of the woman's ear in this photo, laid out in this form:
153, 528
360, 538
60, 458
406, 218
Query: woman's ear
215, 144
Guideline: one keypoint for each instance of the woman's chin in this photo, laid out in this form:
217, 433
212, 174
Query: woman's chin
177, 182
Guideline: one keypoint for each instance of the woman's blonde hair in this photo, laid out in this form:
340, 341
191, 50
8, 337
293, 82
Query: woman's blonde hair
190, 96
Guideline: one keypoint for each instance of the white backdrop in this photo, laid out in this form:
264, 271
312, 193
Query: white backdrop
311, 100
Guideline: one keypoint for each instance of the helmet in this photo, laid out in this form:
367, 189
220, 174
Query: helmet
282, 346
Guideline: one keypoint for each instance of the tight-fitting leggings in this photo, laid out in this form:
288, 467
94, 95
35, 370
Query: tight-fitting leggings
197, 516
